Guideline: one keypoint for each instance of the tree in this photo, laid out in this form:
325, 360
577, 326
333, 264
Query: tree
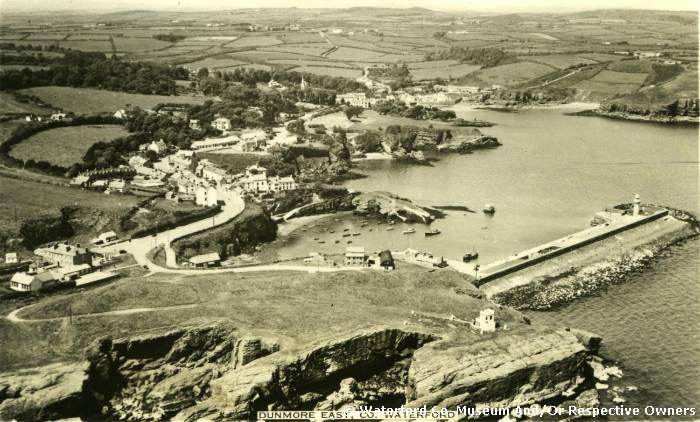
353, 111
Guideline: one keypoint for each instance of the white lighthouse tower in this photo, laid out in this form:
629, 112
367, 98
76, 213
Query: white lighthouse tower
635, 209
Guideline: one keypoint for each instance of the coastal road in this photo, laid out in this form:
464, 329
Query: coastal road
12, 316
139, 248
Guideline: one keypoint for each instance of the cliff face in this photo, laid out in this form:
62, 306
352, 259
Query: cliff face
504, 372
216, 373
249, 229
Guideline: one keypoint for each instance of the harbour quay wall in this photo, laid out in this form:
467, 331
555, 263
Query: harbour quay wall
519, 264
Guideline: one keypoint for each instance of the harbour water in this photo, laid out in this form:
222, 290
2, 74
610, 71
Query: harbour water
551, 175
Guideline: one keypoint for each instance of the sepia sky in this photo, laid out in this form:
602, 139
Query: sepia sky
498, 6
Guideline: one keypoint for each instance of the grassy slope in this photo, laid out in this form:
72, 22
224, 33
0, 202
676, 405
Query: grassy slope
296, 308
27, 199
91, 101
65, 146
9, 104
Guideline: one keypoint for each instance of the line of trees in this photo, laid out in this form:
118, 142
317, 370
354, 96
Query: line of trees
484, 57
95, 70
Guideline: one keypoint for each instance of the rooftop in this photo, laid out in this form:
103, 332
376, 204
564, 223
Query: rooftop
208, 257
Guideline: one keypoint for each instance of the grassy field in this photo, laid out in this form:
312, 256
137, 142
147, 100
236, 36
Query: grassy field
9, 104
215, 62
295, 308
100, 46
6, 128
631, 66
608, 76
260, 41
559, 61
90, 101
21, 200
330, 71
444, 72
65, 146
131, 45
512, 74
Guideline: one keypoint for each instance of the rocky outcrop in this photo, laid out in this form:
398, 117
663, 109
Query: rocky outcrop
154, 376
506, 371
52, 393
214, 373
385, 204
252, 227
309, 378
468, 145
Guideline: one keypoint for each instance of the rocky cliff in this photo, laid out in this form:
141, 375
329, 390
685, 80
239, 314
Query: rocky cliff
215, 372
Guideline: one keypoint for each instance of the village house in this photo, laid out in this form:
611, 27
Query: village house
70, 273
316, 259
355, 256
206, 196
195, 125
11, 258
221, 123
58, 117
438, 98
116, 185
210, 172
485, 322
120, 114
158, 147
278, 184
205, 260
32, 282
357, 99
63, 254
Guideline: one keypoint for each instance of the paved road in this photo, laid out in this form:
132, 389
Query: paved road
139, 248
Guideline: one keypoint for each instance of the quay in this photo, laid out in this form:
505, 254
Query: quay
613, 222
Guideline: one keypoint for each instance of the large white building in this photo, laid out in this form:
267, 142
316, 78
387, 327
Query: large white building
215, 143
221, 123
358, 99
256, 180
206, 196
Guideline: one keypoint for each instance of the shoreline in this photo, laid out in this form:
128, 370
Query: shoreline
639, 118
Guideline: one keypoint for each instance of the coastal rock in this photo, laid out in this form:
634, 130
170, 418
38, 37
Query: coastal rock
389, 205
47, 393
279, 381
467, 145
502, 372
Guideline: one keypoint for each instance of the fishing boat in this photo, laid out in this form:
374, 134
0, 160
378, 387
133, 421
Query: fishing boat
389, 229
316, 238
356, 234
433, 232
337, 241
409, 230
349, 242
346, 230
321, 242
346, 235
364, 224
489, 209
470, 256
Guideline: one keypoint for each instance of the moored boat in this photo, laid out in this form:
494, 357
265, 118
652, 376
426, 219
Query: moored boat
409, 230
433, 232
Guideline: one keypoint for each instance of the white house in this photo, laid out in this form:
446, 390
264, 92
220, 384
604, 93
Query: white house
57, 117
11, 258
121, 114
278, 184
195, 125
358, 99
485, 322
206, 260
137, 161
206, 196
221, 123
355, 256
31, 282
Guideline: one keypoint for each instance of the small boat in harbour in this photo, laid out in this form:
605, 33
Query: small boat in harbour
389, 229
409, 230
356, 234
470, 256
346, 235
433, 232
489, 209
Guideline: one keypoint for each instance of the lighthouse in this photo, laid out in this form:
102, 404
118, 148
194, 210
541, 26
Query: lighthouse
635, 209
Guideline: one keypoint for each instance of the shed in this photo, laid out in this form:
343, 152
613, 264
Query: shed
386, 260
205, 260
